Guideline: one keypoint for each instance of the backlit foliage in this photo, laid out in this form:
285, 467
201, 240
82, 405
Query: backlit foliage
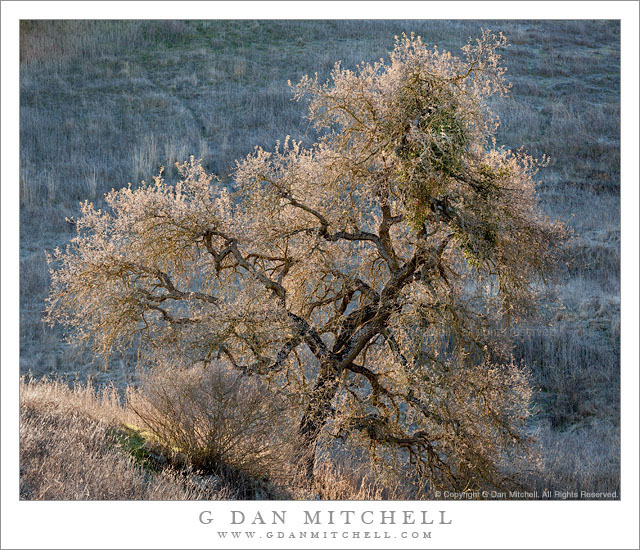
367, 277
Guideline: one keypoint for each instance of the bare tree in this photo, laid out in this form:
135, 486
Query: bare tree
367, 276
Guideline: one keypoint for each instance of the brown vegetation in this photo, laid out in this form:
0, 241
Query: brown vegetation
214, 419
69, 451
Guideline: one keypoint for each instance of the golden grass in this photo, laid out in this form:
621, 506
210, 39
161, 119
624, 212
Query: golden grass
68, 452
75, 444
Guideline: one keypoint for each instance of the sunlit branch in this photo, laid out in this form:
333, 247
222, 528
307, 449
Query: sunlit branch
172, 292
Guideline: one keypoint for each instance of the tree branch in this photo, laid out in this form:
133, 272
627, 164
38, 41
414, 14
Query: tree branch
385, 251
261, 366
166, 283
385, 237
168, 318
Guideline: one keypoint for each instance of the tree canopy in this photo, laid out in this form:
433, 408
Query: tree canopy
369, 276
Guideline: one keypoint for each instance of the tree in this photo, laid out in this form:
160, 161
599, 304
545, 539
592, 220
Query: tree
370, 276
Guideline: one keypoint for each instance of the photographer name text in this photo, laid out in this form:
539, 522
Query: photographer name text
330, 517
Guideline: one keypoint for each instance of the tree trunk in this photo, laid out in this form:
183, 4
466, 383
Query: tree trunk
315, 416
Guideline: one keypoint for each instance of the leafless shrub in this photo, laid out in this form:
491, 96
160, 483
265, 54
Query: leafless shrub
214, 420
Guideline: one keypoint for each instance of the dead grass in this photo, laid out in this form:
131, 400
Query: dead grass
585, 457
81, 444
56, 397
70, 457
337, 480
68, 451
103, 103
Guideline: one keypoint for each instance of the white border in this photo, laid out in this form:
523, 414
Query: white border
163, 9
175, 525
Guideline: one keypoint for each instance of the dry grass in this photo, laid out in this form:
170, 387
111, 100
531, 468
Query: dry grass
108, 102
56, 397
74, 445
82, 444
79, 443
585, 457
344, 482
68, 451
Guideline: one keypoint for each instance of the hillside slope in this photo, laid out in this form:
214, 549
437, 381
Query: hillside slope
110, 102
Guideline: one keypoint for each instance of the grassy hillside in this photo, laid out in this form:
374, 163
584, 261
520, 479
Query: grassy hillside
78, 444
107, 103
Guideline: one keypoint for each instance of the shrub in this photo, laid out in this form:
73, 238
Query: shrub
213, 420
